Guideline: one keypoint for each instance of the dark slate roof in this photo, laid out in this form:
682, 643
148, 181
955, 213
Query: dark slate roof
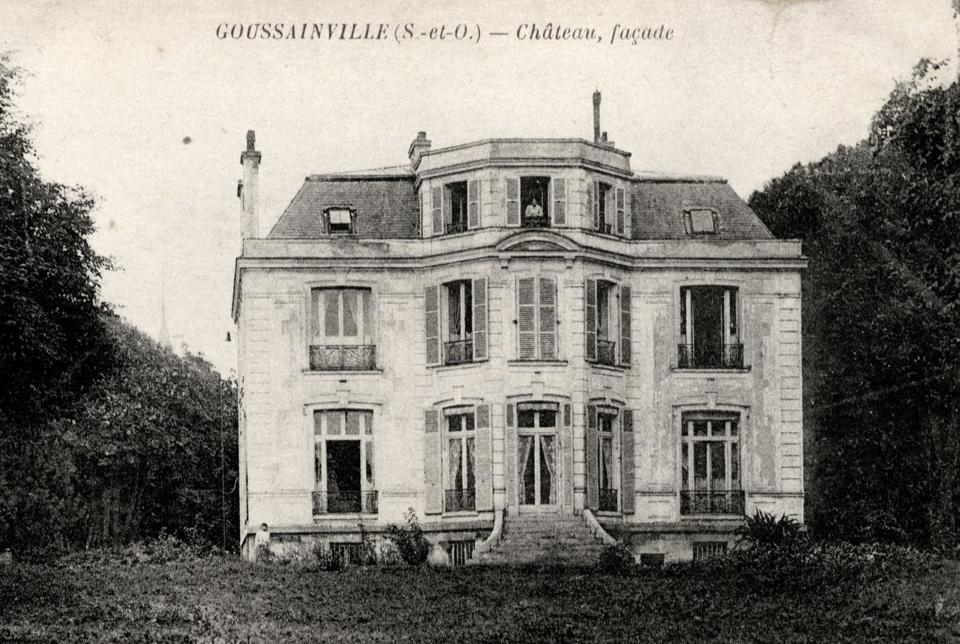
384, 200
659, 205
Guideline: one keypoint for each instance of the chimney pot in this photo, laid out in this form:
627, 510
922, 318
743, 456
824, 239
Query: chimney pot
417, 147
596, 116
247, 188
251, 140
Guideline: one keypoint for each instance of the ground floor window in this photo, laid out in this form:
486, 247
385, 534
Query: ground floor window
537, 454
343, 462
710, 464
607, 462
461, 477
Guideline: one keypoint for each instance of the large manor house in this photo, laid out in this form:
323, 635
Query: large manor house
535, 347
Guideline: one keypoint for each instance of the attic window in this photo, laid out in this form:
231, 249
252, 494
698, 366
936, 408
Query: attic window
702, 221
339, 221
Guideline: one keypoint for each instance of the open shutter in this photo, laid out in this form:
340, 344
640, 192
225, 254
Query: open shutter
432, 466
473, 203
513, 201
591, 315
628, 210
592, 453
479, 292
484, 447
625, 331
431, 323
547, 340
510, 453
596, 205
559, 202
566, 448
628, 474
621, 217
526, 319
436, 204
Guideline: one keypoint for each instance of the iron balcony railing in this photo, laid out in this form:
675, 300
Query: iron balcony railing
458, 351
608, 500
712, 502
346, 502
535, 222
455, 227
606, 352
343, 357
710, 356
462, 500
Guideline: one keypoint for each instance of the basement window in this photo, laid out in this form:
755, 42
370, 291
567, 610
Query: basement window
339, 221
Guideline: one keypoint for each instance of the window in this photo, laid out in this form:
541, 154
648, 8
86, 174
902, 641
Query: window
461, 463
710, 464
455, 207
343, 462
709, 335
608, 322
342, 323
535, 202
339, 221
606, 461
608, 208
701, 221
460, 552
537, 477
703, 550
455, 322
537, 318
458, 297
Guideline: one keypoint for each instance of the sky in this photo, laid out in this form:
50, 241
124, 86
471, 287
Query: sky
147, 108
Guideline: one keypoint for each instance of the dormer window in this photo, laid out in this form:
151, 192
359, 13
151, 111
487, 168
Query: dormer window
701, 221
339, 221
534, 202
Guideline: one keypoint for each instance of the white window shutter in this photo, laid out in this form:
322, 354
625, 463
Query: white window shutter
547, 314
484, 451
596, 205
526, 318
625, 326
431, 324
480, 316
592, 453
590, 295
628, 473
433, 467
436, 204
621, 217
513, 201
473, 203
559, 188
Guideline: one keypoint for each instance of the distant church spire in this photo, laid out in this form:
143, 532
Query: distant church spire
163, 335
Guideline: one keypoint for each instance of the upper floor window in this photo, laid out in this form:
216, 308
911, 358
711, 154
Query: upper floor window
343, 462
342, 329
536, 201
709, 334
455, 322
608, 205
339, 221
537, 318
701, 221
608, 326
710, 464
455, 207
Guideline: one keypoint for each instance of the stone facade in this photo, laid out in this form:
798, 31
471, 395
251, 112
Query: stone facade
633, 348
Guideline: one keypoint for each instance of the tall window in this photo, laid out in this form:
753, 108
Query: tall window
343, 462
537, 477
342, 329
709, 333
608, 323
535, 202
458, 346
608, 464
455, 207
710, 464
339, 221
461, 462
537, 318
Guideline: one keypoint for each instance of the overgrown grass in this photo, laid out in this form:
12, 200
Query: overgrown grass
890, 595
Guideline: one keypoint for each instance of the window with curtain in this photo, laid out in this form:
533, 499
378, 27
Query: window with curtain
461, 463
343, 462
608, 464
342, 329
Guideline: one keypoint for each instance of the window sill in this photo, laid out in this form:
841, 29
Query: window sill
344, 372
612, 514
712, 517
460, 514
344, 516
609, 367
537, 363
440, 368
711, 371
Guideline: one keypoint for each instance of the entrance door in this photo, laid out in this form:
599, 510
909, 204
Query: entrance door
538, 481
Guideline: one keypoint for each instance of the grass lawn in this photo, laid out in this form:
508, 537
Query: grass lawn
225, 599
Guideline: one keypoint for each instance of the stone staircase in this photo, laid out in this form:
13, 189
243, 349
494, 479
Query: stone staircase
543, 540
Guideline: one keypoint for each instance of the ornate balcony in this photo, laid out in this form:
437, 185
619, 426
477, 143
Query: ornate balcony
712, 502
346, 502
454, 227
710, 356
535, 222
463, 500
606, 352
608, 500
343, 357
458, 352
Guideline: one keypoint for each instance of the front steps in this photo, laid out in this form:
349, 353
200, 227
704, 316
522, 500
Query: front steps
543, 540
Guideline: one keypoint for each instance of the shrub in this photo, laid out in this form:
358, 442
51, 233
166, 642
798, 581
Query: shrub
326, 559
766, 530
412, 545
616, 559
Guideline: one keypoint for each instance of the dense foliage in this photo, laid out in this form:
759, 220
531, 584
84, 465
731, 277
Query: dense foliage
105, 437
881, 321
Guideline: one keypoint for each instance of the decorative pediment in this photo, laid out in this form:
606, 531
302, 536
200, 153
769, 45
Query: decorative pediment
537, 241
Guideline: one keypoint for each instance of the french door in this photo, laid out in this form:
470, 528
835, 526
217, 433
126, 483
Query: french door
538, 481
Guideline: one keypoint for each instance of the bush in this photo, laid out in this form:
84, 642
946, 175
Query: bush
616, 559
410, 541
326, 558
764, 529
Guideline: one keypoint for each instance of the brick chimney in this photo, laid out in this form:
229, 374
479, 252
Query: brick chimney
596, 116
248, 188
417, 147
